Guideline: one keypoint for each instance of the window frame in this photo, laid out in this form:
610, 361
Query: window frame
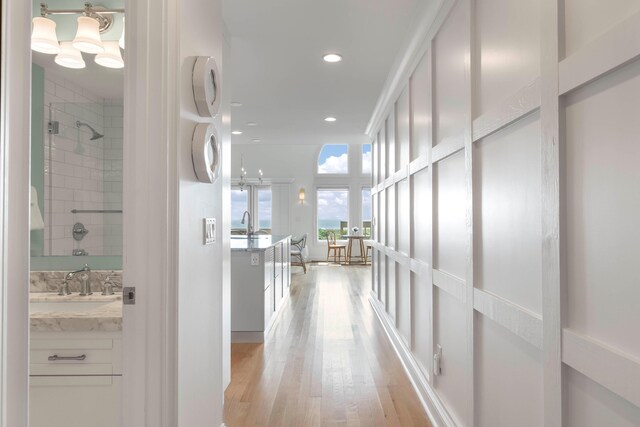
253, 203
338, 187
362, 189
362, 172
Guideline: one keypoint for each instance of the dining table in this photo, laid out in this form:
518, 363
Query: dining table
360, 242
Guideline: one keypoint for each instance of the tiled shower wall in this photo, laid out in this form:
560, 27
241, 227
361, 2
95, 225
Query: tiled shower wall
80, 173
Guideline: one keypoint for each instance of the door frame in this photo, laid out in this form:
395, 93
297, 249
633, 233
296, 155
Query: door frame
149, 218
15, 153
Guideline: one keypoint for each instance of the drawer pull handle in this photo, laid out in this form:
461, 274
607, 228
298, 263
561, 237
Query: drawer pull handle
56, 358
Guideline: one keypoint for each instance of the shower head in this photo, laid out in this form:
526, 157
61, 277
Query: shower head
95, 135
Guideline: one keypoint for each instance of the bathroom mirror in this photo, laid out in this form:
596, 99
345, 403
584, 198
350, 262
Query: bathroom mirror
76, 160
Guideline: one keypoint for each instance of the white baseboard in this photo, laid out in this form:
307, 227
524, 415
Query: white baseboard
430, 401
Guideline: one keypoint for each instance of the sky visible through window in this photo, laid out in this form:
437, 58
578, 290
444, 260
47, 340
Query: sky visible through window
334, 158
366, 211
333, 207
264, 208
366, 159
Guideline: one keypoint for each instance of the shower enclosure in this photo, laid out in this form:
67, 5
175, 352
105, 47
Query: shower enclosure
81, 193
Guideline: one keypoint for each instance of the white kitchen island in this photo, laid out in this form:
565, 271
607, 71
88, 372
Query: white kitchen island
260, 279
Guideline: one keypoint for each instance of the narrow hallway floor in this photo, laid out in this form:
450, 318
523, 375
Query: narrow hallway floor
326, 362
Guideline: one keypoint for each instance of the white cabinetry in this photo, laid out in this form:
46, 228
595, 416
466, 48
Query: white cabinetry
82, 387
258, 292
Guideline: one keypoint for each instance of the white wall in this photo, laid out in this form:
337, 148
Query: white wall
530, 287
203, 270
176, 337
299, 163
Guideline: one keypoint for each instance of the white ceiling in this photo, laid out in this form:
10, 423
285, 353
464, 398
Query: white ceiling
278, 74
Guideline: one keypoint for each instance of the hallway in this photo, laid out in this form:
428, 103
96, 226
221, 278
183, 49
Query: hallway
327, 362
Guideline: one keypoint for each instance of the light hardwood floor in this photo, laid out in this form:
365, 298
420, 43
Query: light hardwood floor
326, 362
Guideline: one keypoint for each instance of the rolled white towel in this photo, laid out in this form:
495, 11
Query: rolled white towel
37, 223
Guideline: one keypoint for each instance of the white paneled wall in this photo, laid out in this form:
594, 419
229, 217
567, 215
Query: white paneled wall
505, 185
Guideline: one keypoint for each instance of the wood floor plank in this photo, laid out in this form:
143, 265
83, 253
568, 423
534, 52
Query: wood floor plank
326, 362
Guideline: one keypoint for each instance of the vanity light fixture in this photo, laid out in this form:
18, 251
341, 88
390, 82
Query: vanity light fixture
236, 104
111, 57
93, 21
236, 132
301, 195
255, 140
330, 119
332, 57
121, 41
252, 124
43, 36
87, 37
69, 56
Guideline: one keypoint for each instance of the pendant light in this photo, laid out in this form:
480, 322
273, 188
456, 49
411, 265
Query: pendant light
88, 36
69, 56
43, 36
111, 57
122, 35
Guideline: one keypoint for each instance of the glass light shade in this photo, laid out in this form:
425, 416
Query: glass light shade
121, 41
69, 56
301, 195
88, 36
111, 57
43, 36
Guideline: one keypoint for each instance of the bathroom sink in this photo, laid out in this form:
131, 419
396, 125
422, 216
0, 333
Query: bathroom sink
240, 237
66, 306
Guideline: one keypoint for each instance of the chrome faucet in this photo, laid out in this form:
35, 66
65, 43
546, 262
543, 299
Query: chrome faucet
85, 285
249, 224
110, 283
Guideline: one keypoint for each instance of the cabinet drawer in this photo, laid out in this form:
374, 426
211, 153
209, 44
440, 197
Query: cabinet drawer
101, 357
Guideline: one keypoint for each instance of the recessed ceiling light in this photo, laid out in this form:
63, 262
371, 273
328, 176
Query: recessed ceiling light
332, 57
255, 140
236, 132
252, 124
236, 104
330, 119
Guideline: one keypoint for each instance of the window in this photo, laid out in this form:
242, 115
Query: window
366, 212
255, 199
333, 212
263, 219
239, 204
334, 159
366, 159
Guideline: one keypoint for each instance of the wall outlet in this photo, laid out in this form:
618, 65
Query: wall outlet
437, 361
209, 230
255, 258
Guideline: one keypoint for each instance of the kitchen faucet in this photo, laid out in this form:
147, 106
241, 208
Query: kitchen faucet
85, 286
249, 224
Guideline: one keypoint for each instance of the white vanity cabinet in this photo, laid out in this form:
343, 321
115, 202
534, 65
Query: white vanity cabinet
82, 386
260, 280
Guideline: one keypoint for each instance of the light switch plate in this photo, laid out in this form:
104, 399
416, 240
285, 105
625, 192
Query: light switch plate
209, 230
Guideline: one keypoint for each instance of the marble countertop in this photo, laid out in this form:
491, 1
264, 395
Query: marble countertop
255, 243
107, 317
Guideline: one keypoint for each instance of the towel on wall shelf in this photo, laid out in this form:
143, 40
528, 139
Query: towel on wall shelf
37, 223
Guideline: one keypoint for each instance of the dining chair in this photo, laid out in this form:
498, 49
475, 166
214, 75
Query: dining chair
298, 245
368, 244
339, 250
